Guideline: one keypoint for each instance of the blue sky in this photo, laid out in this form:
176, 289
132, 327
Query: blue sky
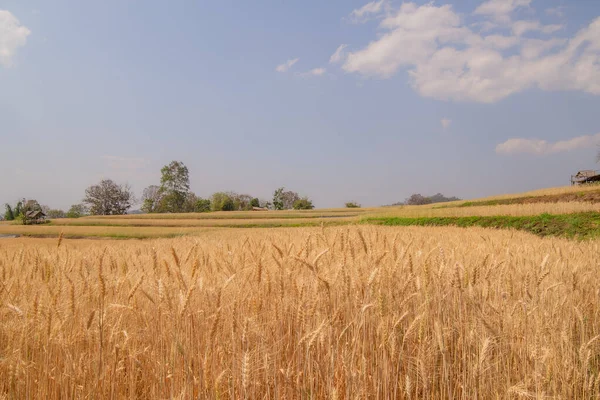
468, 98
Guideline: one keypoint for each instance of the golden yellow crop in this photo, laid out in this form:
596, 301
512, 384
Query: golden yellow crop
345, 312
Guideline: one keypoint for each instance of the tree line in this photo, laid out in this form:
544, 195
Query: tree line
418, 199
171, 195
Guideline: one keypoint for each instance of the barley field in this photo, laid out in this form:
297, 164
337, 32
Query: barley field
328, 313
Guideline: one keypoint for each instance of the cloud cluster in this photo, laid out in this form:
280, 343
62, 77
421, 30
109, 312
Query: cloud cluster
12, 36
543, 147
286, 65
448, 59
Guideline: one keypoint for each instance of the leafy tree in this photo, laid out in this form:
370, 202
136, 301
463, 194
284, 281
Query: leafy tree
151, 199
202, 205
278, 198
175, 186
175, 177
18, 210
241, 201
222, 201
52, 213
255, 202
352, 204
77, 211
109, 198
303, 204
284, 200
9, 214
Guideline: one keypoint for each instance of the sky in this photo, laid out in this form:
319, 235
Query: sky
337, 100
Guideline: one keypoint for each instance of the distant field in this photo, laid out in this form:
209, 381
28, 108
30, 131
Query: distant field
578, 202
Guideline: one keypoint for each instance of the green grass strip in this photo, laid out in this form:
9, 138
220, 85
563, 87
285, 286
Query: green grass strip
572, 226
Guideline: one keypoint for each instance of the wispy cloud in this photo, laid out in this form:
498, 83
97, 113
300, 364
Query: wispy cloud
125, 163
446, 123
556, 11
339, 55
521, 27
543, 147
368, 11
500, 10
12, 36
286, 65
316, 72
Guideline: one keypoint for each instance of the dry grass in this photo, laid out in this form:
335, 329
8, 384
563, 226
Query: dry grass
124, 232
302, 313
204, 222
545, 192
511, 210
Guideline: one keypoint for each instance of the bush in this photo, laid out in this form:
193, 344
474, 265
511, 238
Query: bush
303, 204
202, 205
352, 204
222, 202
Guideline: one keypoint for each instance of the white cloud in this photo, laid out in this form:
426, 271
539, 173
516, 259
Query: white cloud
286, 65
446, 123
124, 163
12, 36
447, 60
315, 72
500, 9
521, 27
339, 55
543, 147
368, 10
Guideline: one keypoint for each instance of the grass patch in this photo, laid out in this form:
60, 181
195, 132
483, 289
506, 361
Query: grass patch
590, 196
572, 226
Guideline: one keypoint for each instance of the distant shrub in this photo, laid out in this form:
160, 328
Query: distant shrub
303, 204
202, 205
352, 204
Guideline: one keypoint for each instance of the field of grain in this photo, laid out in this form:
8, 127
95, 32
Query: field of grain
509, 210
341, 312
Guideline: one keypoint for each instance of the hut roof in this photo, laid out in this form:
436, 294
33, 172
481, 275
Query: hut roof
35, 214
586, 173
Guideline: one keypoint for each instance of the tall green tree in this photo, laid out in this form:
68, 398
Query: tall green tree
9, 214
174, 187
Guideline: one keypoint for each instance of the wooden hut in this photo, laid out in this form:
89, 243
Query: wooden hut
35, 217
585, 176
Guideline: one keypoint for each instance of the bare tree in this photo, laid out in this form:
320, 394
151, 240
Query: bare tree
151, 199
109, 198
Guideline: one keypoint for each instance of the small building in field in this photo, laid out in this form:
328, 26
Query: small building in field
585, 176
35, 217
